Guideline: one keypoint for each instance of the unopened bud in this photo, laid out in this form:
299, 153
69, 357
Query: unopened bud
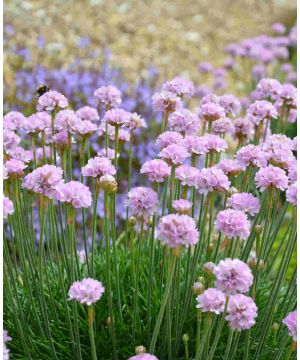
232, 190
185, 338
209, 267
108, 183
275, 327
258, 229
132, 221
211, 247
140, 349
252, 262
108, 321
198, 288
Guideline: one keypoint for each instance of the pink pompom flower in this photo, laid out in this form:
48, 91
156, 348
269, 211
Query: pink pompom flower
211, 111
109, 96
233, 223
116, 117
142, 202
52, 100
174, 154
271, 177
5, 349
66, 120
88, 113
291, 322
10, 140
135, 121
211, 300
184, 121
179, 86
85, 128
229, 167
176, 230
212, 179
230, 104
87, 291
268, 88
241, 312
8, 207
214, 143
251, 155
14, 120
187, 175
182, 206
244, 202
15, 168
233, 276
243, 128
166, 101
143, 356
223, 126
168, 138
156, 170
291, 194
98, 166
195, 144
261, 110
74, 193
37, 122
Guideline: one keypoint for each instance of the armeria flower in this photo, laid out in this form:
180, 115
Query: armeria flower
241, 312
110, 153
74, 193
85, 128
52, 100
205, 67
229, 167
43, 180
202, 90
292, 170
209, 98
211, 111
37, 122
291, 194
268, 88
212, 179
243, 128
258, 72
124, 135
98, 166
61, 140
143, 356
223, 126
233, 223
278, 154
187, 175
230, 104
233, 276
214, 143
195, 144
88, 113
14, 120
135, 121
174, 154
166, 101
142, 202
156, 170
291, 322
109, 96
271, 176
261, 110
211, 300
117, 117
182, 206
66, 120
179, 86
19, 153
8, 207
87, 291
10, 140
184, 121
15, 167
5, 349
279, 28
176, 230
251, 155
245, 202
288, 94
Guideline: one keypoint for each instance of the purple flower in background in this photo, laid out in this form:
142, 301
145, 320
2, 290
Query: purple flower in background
205, 67
291, 194
233, 223
279, 28
142, 202
87, 291
109, 96
243, 128
52, 100
245, 202
241, 312
291, 322
8, 207
211, 300
179, 86
74, 193
184, 121
271, 177
230, 104
156, 170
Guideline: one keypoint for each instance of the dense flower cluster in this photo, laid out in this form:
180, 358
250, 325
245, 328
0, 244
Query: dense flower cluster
87, 291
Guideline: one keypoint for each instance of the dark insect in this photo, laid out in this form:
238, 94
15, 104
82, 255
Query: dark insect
42, 89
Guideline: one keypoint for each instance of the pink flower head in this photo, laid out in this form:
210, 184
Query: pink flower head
109, 96
271, 176
211, 300
142, 202
268, 88
229, 167
74, 193
43, 180
174, 154
8, 207
288, 94
14, 120
243, 128
261, 110
5, 349
278, 149
176, 230
195, 144
85, 128
184, 121
230, 104
52, 100
205, 67
291, 194
88, 113
291, 322
279, 28
179, 86
233, 223
19, 153
241, 312
156, 170
211, 111
292, 170
124, 135
37, 122
212, 179
15, 167
233, 276
66, 120
40, 153
61, 139
116, 117
214, 143
143, 356
292, 116
87, 291
182, 206
135, 121
98, 166
110, 153
166, 101
244, 202
10, 140
187, 175
209, 98
251, 155
223, 126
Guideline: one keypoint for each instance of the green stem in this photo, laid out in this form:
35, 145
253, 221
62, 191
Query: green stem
91, 331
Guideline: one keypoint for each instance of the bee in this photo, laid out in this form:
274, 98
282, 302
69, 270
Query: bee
42, 89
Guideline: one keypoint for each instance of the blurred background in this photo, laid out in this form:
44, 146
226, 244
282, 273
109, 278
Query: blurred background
77, 46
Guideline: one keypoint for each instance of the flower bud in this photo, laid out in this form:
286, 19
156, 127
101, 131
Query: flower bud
185, 338
275, 327
209, 267
232, 190
108, 183
132, 221
108, 321
198, 288
140, 349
